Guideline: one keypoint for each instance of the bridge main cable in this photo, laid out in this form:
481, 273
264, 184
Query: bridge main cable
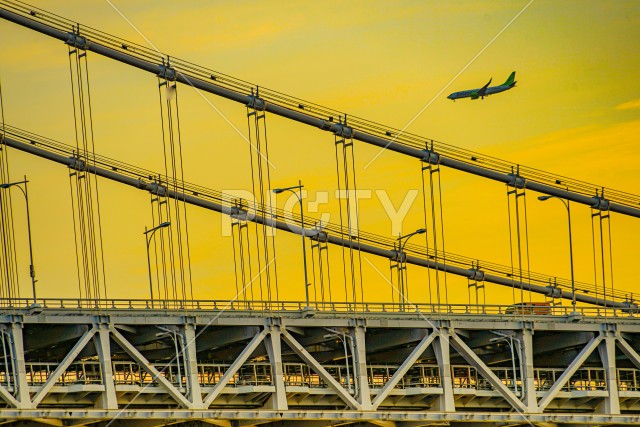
137, 177
164, 70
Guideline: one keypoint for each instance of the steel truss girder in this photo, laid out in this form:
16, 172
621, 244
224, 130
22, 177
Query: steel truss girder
261, 416
281, 334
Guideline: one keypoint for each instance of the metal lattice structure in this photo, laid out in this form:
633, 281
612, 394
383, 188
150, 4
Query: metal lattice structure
244, 366
98, 361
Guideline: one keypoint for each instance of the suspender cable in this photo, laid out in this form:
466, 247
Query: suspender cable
444, 253
88, 234
212, 200
309, 113
426, 235
95, 178
337, 141
513, 288
357, 206
274, 280
9, 278
434, 233
184, 205
526, 240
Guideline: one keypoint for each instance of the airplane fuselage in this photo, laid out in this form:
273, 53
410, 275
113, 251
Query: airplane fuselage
485, 90
472, 92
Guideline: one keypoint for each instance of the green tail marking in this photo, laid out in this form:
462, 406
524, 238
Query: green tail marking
511, 78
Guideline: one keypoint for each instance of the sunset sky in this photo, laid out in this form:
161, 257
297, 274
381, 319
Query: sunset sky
574, 112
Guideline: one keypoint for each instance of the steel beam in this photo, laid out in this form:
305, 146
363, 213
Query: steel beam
442, 347
607, 350
22, 393
486, 372
402, 370
568, 373
62, 367
188, 335
527, 368
108, 400
360, 355
320, 370
273, 343
231, 370
147, 366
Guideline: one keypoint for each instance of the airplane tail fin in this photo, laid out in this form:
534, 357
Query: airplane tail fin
511, 80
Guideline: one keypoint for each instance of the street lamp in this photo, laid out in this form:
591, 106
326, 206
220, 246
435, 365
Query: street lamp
342, 337
148, 235
573, 283
403, 258
25, 192
509, 340
304, 248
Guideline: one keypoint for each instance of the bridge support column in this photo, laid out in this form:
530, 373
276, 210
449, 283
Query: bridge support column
442, 348
607, 350
108, 399
361, 377
273, 343
527, 371
22, 392
191, 365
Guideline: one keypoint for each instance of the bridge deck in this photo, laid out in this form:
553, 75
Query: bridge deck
241, 363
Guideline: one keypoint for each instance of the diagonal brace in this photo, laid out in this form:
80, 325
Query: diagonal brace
144, 363
568, 373
319, 369
628, 351
402, 370
486, 372
237, 364
68, 359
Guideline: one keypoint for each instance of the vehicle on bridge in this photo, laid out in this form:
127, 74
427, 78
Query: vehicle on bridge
536, 308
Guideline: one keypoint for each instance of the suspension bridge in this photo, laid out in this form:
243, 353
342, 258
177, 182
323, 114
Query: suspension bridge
564, 352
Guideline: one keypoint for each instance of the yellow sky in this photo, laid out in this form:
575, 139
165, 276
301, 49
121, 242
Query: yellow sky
574, 112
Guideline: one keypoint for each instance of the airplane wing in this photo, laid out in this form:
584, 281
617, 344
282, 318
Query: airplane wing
483, 91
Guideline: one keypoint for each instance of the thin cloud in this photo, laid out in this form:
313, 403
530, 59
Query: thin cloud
629, 105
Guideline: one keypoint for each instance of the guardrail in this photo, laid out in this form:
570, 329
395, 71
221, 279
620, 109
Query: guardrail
301, 375
259, 308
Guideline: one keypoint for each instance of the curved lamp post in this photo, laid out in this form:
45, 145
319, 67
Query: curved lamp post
148, 235
573, 283
304, 248
401, 246
25, 192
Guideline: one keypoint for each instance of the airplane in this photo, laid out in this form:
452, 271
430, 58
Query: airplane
485, 90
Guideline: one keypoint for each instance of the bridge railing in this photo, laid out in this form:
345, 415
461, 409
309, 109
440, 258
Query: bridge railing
257, 308
301, 375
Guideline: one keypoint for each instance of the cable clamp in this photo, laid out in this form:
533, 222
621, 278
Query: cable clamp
157, 189
554, 292
318, 235
167, 72
516, 181
600, 203
76, 163
398, 256
431, 157
342, 130
77, 41
238, 213
477, 275
256, 103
